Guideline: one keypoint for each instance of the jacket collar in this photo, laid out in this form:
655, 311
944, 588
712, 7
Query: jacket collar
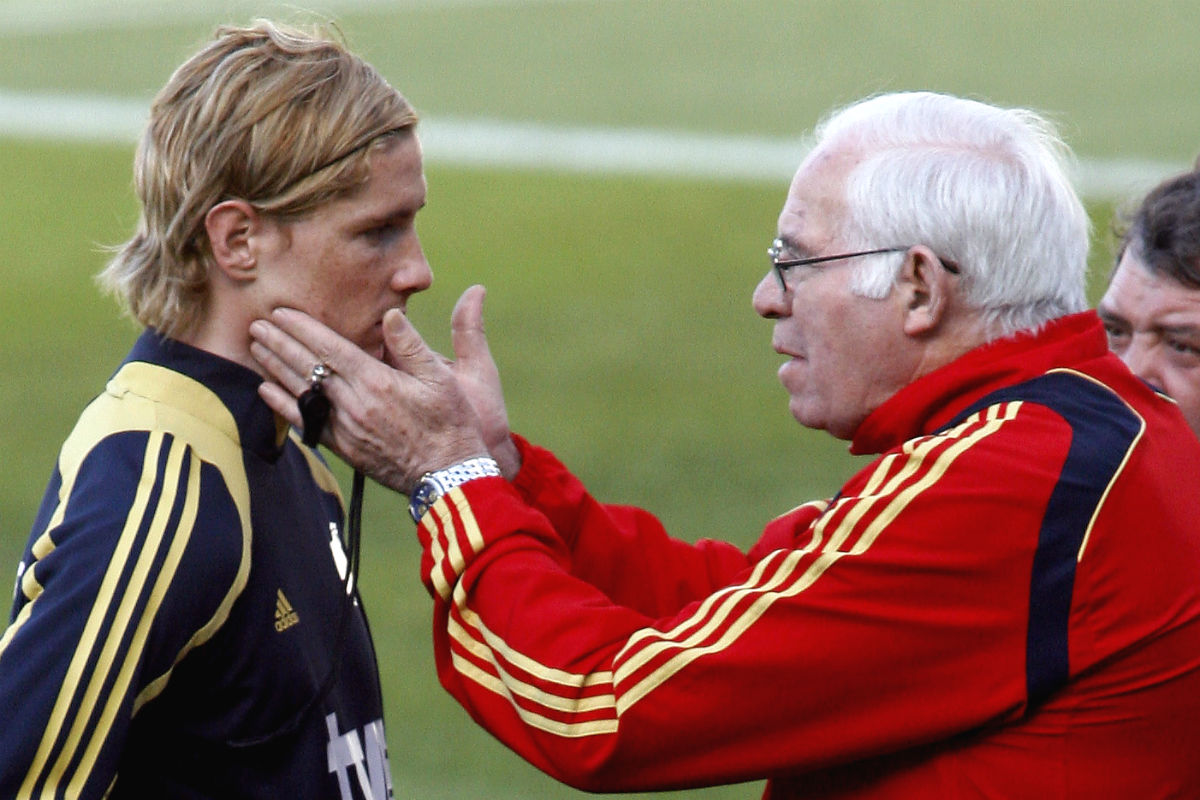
932, 400
259, 429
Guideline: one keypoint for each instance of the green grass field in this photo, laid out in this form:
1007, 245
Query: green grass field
618, 306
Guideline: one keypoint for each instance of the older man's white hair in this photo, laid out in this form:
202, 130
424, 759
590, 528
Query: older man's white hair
982, 186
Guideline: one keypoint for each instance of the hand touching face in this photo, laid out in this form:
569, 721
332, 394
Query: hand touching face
396, 419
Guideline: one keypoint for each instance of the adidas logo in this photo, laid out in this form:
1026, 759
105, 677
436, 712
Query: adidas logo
285, 615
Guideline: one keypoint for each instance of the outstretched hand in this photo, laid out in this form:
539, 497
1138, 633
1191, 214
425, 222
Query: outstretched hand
395, 420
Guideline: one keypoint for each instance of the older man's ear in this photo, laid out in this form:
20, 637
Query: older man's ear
924, 287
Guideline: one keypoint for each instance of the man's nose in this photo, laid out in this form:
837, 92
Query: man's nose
1144, 360
769, 298
412, 272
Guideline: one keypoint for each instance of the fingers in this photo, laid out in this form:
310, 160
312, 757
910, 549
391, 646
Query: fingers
278, 368
395, 419
298, 343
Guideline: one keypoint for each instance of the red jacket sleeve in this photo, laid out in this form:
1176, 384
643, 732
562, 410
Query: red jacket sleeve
894, 616
621, 550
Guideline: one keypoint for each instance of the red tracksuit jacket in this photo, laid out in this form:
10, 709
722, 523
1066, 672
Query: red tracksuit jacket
1006, 603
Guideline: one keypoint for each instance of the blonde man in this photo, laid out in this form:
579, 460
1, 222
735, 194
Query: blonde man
185, 622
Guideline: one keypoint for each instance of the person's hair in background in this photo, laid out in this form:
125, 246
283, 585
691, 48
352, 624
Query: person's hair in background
281, 117
984, 187
1164, 230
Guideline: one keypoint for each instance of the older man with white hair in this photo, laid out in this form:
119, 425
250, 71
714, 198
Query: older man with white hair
1004, 603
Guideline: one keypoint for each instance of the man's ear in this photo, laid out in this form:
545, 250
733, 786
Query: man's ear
231, 225
925, 288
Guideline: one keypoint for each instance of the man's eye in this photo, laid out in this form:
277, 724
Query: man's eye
383, 232
1182, 347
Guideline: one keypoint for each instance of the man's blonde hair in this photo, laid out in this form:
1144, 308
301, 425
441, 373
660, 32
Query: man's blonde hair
277, 116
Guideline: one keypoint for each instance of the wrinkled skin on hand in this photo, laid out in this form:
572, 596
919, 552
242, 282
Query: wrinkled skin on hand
396, 419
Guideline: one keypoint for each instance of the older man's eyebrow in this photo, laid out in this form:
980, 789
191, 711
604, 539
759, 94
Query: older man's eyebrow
793, 247
1107, 315
1189, 332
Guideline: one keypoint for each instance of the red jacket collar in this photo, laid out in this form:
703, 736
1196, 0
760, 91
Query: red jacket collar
934, 399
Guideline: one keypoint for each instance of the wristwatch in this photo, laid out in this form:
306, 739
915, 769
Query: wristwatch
435, 484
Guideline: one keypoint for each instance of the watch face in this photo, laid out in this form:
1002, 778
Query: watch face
424, 496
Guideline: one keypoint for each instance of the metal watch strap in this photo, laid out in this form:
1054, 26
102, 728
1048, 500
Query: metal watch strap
435, 484
469, 470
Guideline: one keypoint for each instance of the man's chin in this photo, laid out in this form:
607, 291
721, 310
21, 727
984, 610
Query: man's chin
816, 420
372, 346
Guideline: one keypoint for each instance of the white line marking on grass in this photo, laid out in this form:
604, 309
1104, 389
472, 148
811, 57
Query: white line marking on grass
74, 117
528, 145
516, 145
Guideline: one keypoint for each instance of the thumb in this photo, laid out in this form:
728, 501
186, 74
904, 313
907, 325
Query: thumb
403, 346
466, 326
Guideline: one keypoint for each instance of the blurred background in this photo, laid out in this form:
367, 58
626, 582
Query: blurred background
612, 170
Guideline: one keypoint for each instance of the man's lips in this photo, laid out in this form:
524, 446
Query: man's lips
784, 351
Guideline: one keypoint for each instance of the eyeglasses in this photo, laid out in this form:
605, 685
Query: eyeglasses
781, 265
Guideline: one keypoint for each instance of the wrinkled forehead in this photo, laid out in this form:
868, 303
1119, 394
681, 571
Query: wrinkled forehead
1138, 294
